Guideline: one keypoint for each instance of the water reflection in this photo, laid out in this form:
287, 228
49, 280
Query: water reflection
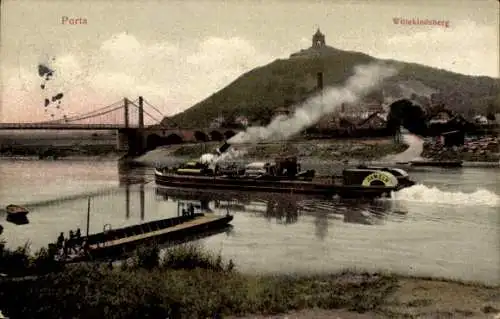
126, 180
130, 174
285, 209
18, 220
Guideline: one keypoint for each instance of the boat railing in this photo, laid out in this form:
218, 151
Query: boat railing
327, 179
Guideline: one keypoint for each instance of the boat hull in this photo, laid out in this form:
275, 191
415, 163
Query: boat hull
16, 211
274, 186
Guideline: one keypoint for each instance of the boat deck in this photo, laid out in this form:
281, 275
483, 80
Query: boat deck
207, 218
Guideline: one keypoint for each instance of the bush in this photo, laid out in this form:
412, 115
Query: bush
187, 257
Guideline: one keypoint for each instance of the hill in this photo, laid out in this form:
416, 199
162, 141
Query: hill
257, 93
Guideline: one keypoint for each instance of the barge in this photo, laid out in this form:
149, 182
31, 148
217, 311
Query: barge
117, 242
285, 176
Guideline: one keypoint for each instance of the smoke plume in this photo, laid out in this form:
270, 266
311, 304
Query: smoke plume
213, 159
365, 79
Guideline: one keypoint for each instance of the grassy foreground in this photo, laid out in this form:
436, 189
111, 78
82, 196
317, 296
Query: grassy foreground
188, 282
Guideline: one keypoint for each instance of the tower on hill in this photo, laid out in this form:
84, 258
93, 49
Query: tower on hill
318, 39
318, 47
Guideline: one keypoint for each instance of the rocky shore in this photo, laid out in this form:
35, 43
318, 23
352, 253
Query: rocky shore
486, 149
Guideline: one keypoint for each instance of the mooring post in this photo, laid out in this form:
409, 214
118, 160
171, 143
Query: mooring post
88, 217
127, 200
142, 201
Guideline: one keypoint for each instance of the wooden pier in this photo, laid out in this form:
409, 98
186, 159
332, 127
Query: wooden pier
121, 241
149, 232
111, 243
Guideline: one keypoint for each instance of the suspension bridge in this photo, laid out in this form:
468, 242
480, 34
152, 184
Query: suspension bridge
138, 130
118, 115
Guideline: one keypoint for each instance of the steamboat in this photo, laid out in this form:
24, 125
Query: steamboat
284, 175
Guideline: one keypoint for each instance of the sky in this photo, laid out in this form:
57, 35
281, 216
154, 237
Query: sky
177, 53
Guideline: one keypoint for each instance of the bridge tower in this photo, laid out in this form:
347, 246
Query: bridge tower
132, 139
141, 138
122, 135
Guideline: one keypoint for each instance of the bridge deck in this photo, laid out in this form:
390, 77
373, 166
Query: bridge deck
186, 225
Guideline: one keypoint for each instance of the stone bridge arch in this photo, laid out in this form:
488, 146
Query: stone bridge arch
228, 134
153, 141
200, 136
216, 136
173, 138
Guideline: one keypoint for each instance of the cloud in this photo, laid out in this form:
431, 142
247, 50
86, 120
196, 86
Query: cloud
466, 47
170, 77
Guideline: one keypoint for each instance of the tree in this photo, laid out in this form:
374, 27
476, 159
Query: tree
492, 109
491, 116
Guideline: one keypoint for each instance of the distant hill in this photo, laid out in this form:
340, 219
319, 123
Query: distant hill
259, 92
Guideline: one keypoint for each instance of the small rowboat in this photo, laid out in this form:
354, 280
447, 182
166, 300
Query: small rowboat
16, 211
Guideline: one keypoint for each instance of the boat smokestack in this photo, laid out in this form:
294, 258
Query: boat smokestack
319, 79
221, 150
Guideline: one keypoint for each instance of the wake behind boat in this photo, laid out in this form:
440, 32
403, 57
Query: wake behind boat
284, 175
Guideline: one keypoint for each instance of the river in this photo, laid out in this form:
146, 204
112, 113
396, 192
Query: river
445, 226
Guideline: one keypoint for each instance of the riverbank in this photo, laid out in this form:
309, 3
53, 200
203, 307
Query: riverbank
370, 149
60, 152
486, 149
189, 282
336, 150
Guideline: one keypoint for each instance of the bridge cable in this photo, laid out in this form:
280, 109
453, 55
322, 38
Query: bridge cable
96, 115
158, 122
164, 117
147, 113
97, 110
72, 118
88, 115
154, 108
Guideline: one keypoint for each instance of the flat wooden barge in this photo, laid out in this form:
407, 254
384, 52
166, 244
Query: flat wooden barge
117, 242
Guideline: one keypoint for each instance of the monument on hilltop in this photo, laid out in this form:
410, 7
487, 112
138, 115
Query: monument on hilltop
318, 40
318, 47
